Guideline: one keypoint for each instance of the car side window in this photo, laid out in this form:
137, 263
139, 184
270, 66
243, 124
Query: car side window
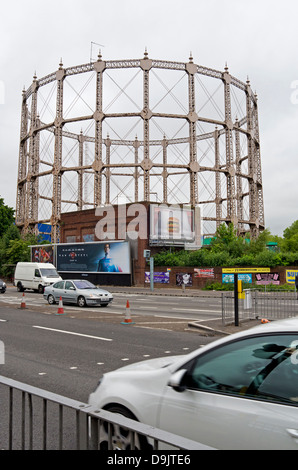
264, 368
36, 273
69, 285
59, 285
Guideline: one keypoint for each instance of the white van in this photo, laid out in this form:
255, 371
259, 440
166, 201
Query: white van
35, 276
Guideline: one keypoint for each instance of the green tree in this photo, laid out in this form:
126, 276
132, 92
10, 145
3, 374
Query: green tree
259, 244
289, 243
226, 240
6, 217
289, 232
12, 233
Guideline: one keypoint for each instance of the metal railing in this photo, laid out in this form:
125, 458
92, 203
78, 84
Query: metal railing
34, 419
272, 305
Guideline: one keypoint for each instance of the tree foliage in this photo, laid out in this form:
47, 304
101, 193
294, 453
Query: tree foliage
228, 249
13, 247
6, 217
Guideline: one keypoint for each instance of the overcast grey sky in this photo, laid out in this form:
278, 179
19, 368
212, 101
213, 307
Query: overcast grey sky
258, 39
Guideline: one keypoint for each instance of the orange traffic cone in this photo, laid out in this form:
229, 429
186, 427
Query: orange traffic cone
127, 319
264, 320
23, 303
60, 307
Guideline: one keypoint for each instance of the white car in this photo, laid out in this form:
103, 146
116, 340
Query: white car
77, 291
238, 392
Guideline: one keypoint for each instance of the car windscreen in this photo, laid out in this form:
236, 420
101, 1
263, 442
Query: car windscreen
47, 272
84, 285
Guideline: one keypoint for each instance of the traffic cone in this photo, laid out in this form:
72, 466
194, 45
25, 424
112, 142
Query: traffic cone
23, 303
60, 307
264, 320
127, 319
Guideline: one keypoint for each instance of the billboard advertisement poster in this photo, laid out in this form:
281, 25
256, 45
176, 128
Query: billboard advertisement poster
183, 279
42, 254
171, 224
96, 257
208, 272
245, 270
244, 277
290, 276
158, 277
267, 278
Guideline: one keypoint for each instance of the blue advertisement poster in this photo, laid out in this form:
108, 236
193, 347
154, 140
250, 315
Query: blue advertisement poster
158, 277
111, 257
226, 278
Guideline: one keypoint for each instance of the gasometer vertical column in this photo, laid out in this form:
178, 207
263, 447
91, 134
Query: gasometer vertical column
98, 116
56, 212
146, 114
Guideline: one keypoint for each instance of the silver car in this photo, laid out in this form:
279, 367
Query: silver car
77, 291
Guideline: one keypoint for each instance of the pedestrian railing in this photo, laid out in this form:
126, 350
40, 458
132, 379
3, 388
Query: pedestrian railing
272, 305
34, 419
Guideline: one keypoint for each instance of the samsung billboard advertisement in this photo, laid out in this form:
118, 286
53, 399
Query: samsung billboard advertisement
112, 257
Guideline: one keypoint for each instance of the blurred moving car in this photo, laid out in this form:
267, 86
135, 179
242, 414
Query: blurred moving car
238, 392
2, 286
77, 291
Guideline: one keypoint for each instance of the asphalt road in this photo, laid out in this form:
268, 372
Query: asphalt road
67, 354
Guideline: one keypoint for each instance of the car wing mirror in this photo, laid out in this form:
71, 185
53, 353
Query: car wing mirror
177, 380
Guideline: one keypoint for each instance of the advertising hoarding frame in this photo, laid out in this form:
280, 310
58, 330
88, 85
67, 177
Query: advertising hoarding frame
119, 263
170, 225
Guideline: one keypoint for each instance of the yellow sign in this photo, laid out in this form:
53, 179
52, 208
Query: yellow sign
290, 276
245, 270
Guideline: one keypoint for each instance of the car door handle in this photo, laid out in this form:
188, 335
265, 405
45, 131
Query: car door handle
293, 433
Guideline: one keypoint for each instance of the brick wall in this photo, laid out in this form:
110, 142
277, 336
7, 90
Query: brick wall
80, 226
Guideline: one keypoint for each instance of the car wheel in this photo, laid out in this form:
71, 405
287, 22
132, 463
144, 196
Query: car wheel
40, 289
51, 299
81, 301
104, 305
121, 437
20, 288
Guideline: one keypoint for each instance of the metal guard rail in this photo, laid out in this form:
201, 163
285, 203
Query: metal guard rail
88, 421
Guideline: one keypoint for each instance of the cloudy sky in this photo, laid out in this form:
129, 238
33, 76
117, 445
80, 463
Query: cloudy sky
257, 39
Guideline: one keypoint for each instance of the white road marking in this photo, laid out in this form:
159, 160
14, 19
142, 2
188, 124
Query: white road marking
196, 310
72, 333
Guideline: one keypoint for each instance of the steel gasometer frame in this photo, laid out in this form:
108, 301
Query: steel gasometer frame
199, 157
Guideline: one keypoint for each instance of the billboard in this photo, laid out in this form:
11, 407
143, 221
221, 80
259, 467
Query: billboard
112, 257
229, 278
158, 277
290, 276
42, 254
267, 278
184, 279
171, 224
